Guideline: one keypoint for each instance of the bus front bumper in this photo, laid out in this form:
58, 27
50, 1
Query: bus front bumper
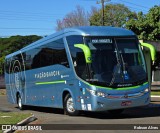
120, 102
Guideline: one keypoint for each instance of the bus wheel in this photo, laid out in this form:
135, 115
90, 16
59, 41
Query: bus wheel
19, 102
69, 106
116, 112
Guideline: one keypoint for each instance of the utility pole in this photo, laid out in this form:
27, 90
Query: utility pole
102, 2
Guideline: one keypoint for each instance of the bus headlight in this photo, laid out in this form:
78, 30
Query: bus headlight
97, 93
100, 94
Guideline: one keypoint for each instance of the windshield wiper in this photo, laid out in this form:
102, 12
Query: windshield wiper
125, 73
120, 61
117, 68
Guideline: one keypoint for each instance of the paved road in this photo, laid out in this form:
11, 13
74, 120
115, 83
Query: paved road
141, 115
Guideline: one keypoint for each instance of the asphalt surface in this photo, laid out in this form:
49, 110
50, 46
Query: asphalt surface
140, 115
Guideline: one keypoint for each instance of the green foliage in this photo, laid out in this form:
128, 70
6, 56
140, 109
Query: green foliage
12, 44
114, 15
146, 26
2, 64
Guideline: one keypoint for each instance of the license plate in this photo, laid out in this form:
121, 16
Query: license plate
126, 103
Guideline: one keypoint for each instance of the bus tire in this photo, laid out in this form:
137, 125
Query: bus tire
19, 102
116, 111
69, 106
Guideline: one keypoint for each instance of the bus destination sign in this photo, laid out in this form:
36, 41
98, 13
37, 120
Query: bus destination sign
101, 40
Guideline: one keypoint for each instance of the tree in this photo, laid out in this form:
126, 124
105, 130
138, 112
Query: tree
146, 26
114, 15
77, 17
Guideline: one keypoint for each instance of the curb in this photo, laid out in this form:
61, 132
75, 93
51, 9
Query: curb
155, 98
22, 123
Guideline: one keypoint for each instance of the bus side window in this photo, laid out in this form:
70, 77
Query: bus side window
77, 55
49, 54
57, 53
16, 64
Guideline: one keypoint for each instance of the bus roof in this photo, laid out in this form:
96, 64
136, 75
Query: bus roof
82, 30
100, 31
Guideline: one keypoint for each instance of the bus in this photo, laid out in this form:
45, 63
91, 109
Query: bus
90, 68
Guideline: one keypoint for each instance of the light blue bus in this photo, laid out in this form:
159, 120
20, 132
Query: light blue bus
82, 68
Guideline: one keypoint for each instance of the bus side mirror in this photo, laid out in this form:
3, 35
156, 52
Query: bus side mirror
86, 51
152, 50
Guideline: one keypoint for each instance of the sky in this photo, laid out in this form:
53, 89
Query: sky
38, 17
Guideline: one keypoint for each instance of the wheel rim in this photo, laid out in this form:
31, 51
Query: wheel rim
19, 102
70, 105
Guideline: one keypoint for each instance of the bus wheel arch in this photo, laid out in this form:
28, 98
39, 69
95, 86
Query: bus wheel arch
68, 104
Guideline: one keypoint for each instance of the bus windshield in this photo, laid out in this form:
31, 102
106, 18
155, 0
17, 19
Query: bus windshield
116, 62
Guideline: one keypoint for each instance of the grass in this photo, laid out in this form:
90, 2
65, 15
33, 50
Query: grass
2, 92
12, 118
155, 93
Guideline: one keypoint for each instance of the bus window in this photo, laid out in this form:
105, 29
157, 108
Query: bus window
130, 56
49, 54
16, 64
78, 57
